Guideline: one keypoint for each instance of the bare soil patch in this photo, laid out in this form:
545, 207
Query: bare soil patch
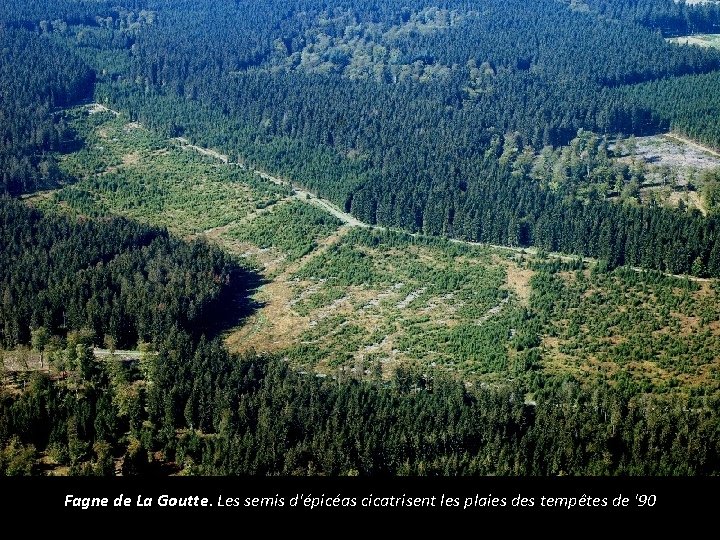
676, 151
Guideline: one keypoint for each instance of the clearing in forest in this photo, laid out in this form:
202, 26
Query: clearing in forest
128, 170
657, 332
339, 298
702, 40
673, 167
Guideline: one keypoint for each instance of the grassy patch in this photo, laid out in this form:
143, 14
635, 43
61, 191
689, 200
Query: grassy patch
656, 332
702, 40
294, 229
125, 169
401, 298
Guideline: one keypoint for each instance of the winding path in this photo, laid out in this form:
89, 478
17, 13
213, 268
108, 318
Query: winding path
352, 221
692, 143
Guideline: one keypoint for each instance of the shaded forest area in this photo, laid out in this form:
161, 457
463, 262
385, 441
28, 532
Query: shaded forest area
36, 77
115, 278
400, 111
668, 16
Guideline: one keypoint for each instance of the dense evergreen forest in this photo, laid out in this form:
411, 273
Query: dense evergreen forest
410, 115
670, 17
688, 105
117, 279
416, 114
36, 77
195, 408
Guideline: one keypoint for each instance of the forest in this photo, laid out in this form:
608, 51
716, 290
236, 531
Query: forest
489, 100
48, 77
188, 406
474, 120
119, 280
202, 412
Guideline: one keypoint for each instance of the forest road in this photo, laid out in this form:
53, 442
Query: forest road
352, 221
298, 192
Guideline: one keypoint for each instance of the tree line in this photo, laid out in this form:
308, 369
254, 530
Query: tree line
673, 18
200, 410
36, 77
118, 279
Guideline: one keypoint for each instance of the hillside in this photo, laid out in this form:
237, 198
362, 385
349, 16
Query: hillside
377, 316
359, 238
339, 296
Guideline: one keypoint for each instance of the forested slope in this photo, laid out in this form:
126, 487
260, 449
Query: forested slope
413, 114
36, 77
118, 279
669, 16
688, 105
405, 116
194, 408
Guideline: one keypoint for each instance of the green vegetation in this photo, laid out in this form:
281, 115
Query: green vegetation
356, 125
195, 409
405, 299
658, 170
269, 420
371, 300
293, 229
362, 350
369, 50
711, 191
648, 330
115, 278
687, 105
36, 77
702, 40
127, 170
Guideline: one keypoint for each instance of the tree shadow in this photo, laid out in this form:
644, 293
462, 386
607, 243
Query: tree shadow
235, 304
73, 143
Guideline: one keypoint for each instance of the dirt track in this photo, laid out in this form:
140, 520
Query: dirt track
352, 221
